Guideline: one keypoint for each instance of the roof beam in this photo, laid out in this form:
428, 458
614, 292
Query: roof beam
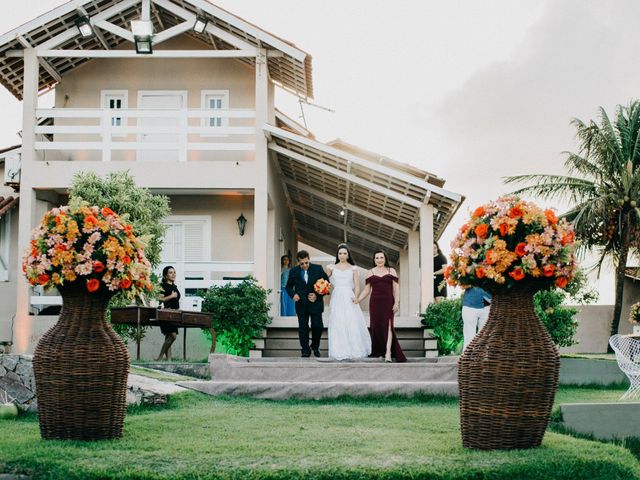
43, 62
345, 228
72, 32
146, 11
326, 244
115, 29
350, 177
359, 161
155, 54
212, 29
172, 32
351, 207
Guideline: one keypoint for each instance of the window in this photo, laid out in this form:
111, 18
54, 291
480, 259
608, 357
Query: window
215, 100
115, 100
187, 239
5, 241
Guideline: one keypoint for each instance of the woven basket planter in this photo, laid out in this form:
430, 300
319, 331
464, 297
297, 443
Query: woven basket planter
508, 377
81, 368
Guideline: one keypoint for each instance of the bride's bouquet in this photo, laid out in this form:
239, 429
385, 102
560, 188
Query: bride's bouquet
322, 287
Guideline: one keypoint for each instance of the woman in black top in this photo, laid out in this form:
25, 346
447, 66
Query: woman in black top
439, 262
170, 299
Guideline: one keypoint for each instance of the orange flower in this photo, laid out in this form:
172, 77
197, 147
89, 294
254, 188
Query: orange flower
43, 278
479, 212
561, 282
520, 251
125, 283
504, 229
480, 273
447, 271
90, 222
517, 274
98, 266
93, 285
126, 259
492, 257
551, 216
107, 212
548, 270
568, 238
515, 212
481, 230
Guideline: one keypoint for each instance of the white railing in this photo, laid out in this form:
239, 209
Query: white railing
189, 276
140, 130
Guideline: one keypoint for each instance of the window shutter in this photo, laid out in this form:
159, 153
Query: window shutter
194, 241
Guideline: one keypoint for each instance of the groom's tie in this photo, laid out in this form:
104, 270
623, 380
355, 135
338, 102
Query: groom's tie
306, 276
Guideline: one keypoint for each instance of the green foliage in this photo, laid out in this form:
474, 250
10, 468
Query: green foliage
445, 318
119, 192
240, 313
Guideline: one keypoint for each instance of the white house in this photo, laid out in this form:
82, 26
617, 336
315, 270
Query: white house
181, 94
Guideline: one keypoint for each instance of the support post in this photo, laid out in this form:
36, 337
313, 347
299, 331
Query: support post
426, 256
260, 207
23, 322
414, 273
404, 283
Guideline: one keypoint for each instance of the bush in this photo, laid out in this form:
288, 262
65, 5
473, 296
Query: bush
240, 313
445, 318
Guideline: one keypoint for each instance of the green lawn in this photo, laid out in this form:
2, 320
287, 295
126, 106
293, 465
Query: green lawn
201, 437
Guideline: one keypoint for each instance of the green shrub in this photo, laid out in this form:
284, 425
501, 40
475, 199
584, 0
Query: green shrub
240, 313
445, 318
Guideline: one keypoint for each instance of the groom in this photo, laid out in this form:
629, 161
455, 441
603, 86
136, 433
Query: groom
308, 303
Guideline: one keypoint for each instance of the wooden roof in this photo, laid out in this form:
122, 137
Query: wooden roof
290, 69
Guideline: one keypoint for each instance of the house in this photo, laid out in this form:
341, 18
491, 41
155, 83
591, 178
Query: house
181, 94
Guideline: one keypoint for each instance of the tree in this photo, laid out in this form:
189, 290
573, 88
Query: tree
603, 185
119, 192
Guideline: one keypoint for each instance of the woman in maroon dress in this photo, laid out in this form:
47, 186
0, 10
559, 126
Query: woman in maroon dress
382, 283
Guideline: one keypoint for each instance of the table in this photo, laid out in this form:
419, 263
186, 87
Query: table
155, 317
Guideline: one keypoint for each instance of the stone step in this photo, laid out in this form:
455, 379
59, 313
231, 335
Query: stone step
295, 352
232, 368
410, 333
294, 344
280, 390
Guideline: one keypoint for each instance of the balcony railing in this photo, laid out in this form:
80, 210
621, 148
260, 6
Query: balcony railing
182, 132
190, 277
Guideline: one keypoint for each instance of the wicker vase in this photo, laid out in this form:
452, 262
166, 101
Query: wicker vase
508, 377
81, 368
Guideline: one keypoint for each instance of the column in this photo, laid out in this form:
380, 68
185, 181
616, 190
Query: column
404, 283
413, 255
260, 207
426, 256
23, 322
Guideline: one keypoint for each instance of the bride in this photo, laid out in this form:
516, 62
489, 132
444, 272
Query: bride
348, 334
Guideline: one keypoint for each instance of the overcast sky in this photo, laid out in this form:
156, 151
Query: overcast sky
471, 91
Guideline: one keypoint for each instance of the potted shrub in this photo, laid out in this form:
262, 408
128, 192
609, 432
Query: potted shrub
508, 375
634, 317
80, 365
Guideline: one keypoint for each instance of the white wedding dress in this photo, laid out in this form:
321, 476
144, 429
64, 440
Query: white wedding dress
348, 334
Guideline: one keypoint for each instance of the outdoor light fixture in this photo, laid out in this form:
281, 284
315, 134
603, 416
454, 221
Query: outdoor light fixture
242, 223
201, 24
84, 26
142, 35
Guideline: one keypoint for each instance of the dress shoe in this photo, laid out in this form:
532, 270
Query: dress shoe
306, 354
316, 353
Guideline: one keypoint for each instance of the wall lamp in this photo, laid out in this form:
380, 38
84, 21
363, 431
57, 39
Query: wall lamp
84, 26
142, 35
242, 223
201, 24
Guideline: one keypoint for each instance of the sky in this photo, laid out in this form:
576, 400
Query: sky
471, 91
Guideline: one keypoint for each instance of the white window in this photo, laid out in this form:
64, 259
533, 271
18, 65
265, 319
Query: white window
5, 243
115, 100
187, 239
215, 100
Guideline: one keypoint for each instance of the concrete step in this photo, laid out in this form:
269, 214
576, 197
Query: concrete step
232, 368
294, 344
279, 390
295, 352
409, 333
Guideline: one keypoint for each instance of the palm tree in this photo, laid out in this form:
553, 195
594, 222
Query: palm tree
603, 185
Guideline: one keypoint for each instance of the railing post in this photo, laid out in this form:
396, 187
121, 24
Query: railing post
183, 138
106, 135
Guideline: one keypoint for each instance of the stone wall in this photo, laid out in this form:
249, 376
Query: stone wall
16, 379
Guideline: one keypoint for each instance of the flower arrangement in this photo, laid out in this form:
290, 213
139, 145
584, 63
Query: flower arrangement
511, 242
87, 245
322, 286
634, 313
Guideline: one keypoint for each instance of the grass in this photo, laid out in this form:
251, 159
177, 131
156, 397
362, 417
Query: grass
158, 374
201, 437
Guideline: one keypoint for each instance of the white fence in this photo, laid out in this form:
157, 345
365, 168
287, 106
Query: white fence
139, 130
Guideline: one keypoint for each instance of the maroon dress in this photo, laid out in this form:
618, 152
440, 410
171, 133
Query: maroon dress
381, 315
